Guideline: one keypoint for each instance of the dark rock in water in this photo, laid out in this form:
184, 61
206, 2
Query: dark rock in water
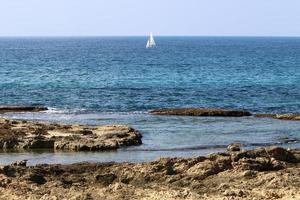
234, 147
280, 116
4, 109
201, 112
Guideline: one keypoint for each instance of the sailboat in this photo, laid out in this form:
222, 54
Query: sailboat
150, 42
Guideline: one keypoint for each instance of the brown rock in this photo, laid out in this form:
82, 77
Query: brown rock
201, 112
41, 135
106, 179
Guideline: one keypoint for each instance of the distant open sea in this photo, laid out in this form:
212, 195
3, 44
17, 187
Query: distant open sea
108, 80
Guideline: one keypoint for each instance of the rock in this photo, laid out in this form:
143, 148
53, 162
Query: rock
278, 153
41, 135
211, 177
281, 154
280, 116
201, 112
36, 178
105, 179
21, 163
249, 173
4, 109
234, 147
229, 192
8, 170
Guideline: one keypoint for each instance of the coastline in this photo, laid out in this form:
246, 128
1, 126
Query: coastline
263, 173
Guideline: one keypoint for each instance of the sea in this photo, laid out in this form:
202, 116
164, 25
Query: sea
116, 80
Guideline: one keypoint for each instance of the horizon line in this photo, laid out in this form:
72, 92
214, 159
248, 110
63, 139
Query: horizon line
45, 36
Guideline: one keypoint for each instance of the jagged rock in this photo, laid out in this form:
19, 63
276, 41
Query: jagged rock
201, 112
38, 135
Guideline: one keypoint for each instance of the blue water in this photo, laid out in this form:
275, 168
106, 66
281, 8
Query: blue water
107, 80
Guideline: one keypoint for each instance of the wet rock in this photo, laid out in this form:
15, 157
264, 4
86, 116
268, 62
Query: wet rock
4, 109
280, 116
21, 163
201, 112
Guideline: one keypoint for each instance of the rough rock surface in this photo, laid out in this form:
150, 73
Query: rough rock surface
201, 112
5, 109
264, 173
19, 135
280, 116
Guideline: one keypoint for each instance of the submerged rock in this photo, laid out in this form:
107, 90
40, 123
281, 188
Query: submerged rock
280, 116
37, 135
5, 109
201, 112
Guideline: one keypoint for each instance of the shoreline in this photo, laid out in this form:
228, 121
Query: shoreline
262, 173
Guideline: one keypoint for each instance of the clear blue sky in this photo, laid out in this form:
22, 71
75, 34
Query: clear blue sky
139, 17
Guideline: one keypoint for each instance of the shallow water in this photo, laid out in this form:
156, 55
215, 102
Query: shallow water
109, 80
163, 136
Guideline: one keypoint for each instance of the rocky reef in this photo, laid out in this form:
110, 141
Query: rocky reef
280, 116
263, 173
201, 112
5, 109
20, 135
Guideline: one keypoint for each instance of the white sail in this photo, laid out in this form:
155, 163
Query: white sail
151, 42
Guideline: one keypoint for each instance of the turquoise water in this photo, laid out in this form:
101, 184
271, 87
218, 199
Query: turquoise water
107, 80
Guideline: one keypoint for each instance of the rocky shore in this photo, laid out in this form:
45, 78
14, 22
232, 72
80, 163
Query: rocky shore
20, 135
264, 173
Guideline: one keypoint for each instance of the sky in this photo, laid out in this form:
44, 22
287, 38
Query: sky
139, 17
